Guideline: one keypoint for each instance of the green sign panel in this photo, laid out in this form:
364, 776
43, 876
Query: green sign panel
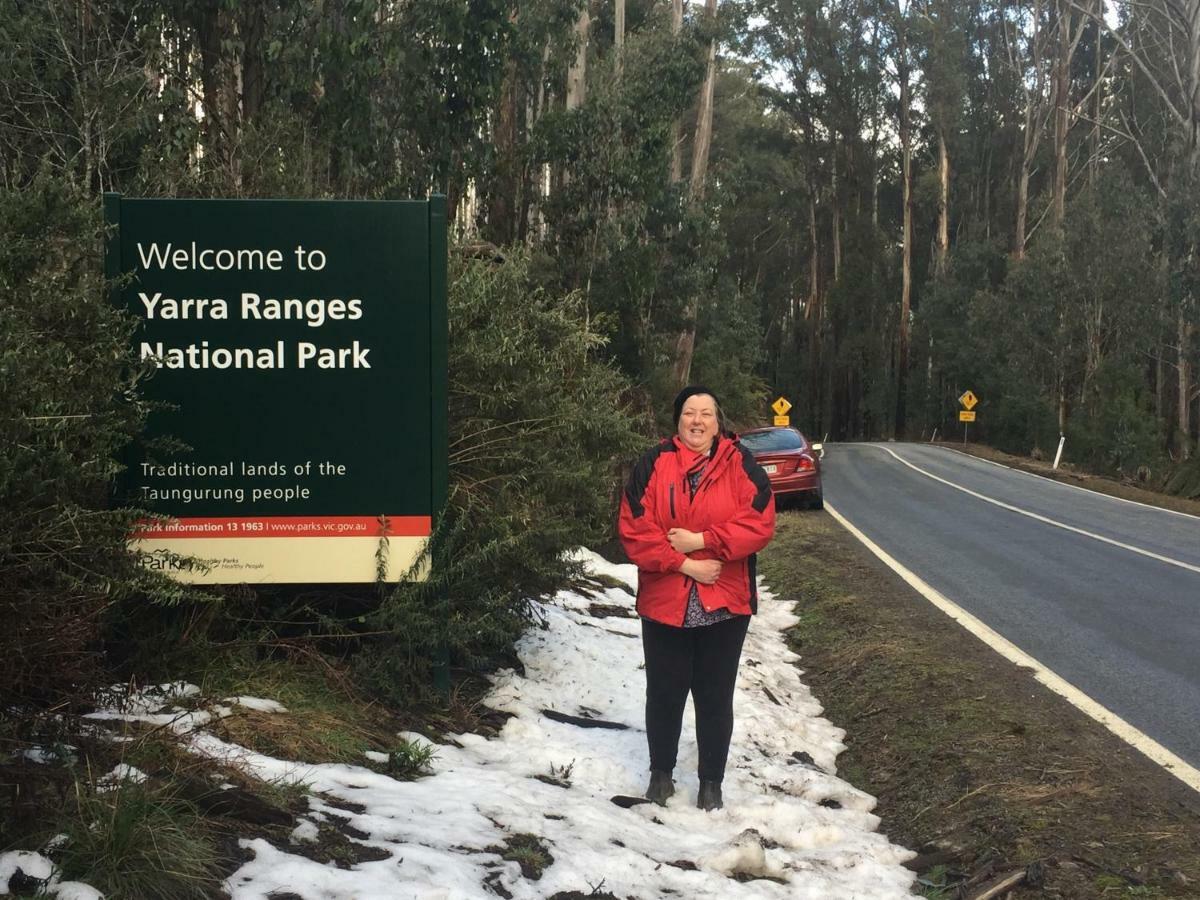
301, 346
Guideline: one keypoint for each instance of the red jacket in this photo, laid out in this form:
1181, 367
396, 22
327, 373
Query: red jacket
733, 508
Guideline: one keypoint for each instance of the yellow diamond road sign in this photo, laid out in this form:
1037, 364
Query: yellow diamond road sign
968, 400
782, 420
781, 406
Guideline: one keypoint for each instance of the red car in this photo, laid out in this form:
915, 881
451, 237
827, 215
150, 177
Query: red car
791, 462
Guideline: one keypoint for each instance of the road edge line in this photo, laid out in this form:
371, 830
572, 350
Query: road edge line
1038, 517
1140, 741
1067, 484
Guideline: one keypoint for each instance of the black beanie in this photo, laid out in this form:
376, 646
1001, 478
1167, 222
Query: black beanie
690, 391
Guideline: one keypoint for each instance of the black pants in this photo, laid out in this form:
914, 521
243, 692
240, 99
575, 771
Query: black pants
703, 660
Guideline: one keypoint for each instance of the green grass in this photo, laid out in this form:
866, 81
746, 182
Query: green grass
326, 720
410, 760
528, 851
136, 842
936, 885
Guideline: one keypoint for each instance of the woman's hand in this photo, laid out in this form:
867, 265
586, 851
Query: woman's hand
705, 571
684, 541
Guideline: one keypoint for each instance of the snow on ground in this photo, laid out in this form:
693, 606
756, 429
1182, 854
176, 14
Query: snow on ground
37, 866
443, 832
789, 828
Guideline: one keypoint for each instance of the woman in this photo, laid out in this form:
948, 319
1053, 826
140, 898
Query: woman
695, 511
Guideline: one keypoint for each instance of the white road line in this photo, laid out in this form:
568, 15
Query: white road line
1067, 484
1063, 525
1149, 747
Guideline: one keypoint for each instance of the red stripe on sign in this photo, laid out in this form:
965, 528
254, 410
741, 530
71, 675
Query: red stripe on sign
284, 526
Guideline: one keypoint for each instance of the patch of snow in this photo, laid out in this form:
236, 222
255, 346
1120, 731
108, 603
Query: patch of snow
180, 721
140, 701
34, 865
744, 855
376, 756
75, 890
256, 703
121, 773
47, 756
306, 831
58, 842
442, 833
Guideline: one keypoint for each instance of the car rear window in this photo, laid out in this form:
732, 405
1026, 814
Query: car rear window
773, 440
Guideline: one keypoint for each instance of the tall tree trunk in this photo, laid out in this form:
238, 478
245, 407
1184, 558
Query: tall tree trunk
703, 139
502, 204
1185, 383
1062, 404
836, 224
1097, 100
814, 252
577, 74
813, 311
943, 232
1031, 75
904, 72
1164, 326
1022, 211
619, 35
545, 173
1062, 111
685, 346
209, 36
987, 194
254, 82
875, 195
677, 141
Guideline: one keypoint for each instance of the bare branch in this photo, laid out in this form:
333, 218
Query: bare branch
1180, 117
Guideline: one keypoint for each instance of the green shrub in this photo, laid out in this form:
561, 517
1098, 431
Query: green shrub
68, 406
1120, 433
538, 428
410, 760
1184, 480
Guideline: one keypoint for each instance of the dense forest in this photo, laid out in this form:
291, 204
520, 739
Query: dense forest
867, 206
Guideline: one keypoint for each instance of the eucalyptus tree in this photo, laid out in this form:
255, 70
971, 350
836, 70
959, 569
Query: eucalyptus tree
944, 55
685, 344
899, 16
1161, 39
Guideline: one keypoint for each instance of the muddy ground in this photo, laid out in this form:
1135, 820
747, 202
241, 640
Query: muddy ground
976, 765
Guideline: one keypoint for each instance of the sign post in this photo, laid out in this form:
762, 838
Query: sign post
299, 350
967, 414
781, 407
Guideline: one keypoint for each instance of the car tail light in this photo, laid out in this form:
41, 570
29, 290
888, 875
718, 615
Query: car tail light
805, 464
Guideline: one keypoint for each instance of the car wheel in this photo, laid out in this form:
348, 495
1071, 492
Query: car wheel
817, 501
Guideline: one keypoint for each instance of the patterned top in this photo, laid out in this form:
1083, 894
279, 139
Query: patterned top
696, 615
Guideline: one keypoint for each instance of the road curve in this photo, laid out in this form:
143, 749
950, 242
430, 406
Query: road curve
1103, 592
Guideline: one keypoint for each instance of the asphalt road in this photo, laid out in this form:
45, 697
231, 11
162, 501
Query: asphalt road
1122, 626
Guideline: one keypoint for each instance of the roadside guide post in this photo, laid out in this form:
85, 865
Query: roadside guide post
781, 407
967, 414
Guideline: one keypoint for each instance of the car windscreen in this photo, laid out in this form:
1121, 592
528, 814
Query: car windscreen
773, 441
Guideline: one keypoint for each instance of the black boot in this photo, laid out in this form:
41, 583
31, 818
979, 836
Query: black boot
661, 787
710, 795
